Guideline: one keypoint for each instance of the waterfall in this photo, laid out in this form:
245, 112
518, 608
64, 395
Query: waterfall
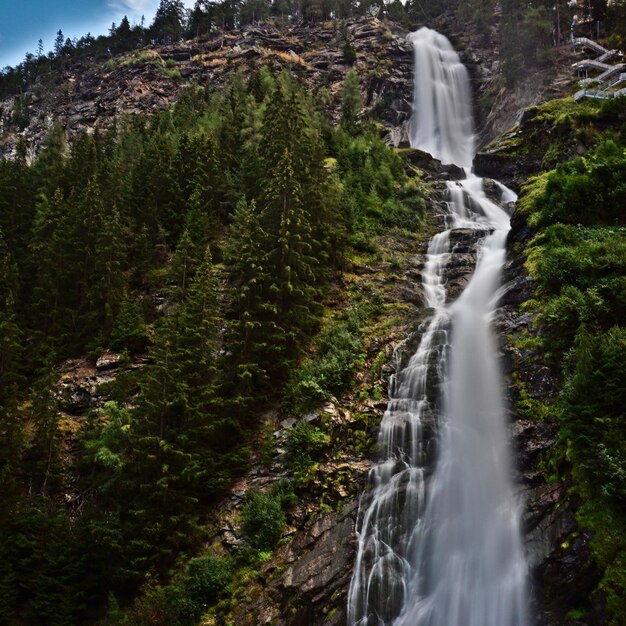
442, 121
439, 539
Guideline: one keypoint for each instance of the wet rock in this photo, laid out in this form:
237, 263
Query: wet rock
453, 172
502, 167
312, 418
289, 422
412, 294
312, 588
567, 577
491, 189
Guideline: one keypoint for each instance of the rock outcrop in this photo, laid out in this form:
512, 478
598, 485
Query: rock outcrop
92, 94
81, 385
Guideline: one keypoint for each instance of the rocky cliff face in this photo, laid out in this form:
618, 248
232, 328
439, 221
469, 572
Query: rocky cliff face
149, 80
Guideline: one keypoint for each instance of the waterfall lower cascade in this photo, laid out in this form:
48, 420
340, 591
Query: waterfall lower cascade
439, 540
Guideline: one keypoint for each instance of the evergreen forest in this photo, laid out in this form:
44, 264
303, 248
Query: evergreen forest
207, 239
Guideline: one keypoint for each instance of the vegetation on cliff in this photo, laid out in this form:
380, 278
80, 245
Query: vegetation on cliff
577, 256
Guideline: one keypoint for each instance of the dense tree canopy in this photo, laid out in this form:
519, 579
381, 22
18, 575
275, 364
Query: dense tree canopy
224, 210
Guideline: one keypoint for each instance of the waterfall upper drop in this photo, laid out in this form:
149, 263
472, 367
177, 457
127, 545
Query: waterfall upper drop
439, 539
442, 122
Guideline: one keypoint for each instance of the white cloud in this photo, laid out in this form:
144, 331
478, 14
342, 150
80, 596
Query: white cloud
139, 7
135, 6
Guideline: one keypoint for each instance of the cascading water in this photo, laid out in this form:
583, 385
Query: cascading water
439, 535
442, 123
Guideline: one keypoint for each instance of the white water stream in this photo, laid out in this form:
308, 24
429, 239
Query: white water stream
439, 534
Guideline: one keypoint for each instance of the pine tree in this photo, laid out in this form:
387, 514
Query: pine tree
58, 43
81, 165
207, 432
292, 268
43, 458
8, 579
17, 204
161, 513
245, 257
129, 330
351, 102
183, 263
201, 18
252, 167
169, 20
290, 125
108, 282
49, 170
177, 437
49, 258
232, 114
202, 179
11, 379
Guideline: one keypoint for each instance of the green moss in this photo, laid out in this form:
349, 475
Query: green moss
331, 614
532, 190
173, 73
558, 110
527, 406
509, 142
377, 364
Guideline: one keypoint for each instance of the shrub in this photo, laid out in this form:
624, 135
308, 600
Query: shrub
183, 602
363, 241
205, 580
406, 214
263, 519
587, 191
349, 53
304, 445
332, 369
594, 417
562, 317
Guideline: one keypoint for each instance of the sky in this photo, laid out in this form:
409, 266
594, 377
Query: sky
24, 22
